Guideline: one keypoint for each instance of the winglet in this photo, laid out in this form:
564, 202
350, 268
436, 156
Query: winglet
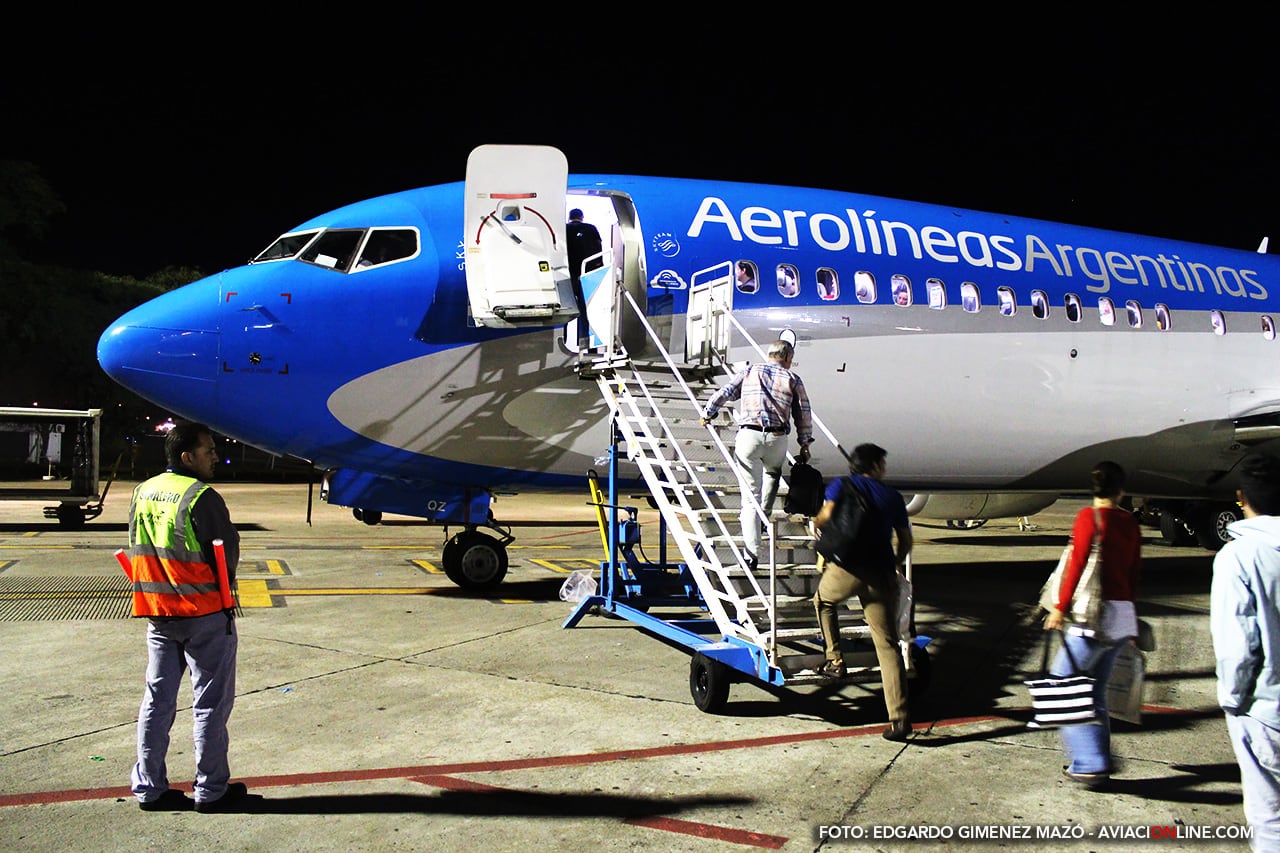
1262, 250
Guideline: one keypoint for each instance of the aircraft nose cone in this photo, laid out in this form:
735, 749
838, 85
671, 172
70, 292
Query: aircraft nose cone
166, 350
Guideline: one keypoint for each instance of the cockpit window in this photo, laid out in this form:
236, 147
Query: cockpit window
386, 245
333, 249
286, 247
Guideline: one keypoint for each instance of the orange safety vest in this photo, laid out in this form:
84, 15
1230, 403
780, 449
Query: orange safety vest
170, 575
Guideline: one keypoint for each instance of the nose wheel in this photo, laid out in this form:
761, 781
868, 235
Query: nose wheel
473, 560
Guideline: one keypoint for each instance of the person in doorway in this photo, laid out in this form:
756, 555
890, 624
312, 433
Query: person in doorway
874, 580
583, 243
1244, 619
1093, 649
174, 519
746, 277
772, 397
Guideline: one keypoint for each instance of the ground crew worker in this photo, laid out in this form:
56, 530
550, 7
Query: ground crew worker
174, 519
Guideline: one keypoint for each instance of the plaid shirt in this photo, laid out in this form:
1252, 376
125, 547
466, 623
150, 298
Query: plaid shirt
771, 397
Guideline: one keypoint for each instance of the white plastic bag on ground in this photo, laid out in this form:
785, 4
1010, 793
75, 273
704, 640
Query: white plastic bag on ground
578, 586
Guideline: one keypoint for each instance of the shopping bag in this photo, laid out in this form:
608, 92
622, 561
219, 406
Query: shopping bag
1062, 700
1124, 687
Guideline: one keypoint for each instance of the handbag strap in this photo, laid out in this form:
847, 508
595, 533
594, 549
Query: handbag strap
1044, 657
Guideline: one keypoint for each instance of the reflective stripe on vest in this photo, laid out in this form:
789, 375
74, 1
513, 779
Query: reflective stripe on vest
170, 575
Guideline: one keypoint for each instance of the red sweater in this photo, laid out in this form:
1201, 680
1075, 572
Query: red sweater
1121, 555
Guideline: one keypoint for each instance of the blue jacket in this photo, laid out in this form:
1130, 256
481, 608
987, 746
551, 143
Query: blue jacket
1244, 618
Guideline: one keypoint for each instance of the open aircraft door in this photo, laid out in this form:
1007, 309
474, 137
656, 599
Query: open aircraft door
517, 266
706, 322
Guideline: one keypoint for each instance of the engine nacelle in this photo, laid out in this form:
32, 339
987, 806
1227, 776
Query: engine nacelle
963, 506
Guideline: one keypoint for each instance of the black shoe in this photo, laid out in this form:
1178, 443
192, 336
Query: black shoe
171, 800
752, 562
833, 669
897, 731
234, 795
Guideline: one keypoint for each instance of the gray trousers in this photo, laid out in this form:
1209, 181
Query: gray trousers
206, 644
879, 599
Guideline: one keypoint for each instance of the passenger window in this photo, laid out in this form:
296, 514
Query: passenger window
333, 249
1219, 322
1135, 314
864, 286
1071, 302
1008, 305
901, 290
937, 293
1162, 317
1106, 311
969, 297
828, 284
1268, 328
747, 281
1039, 304
788, 280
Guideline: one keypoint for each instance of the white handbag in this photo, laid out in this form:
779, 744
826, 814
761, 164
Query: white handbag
1086, 603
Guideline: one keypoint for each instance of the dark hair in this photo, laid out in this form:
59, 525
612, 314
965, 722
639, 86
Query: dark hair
183, 437
576, 213
1260, 483
866, 457
1107, 480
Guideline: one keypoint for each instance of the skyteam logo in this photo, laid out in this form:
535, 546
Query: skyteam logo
666, 244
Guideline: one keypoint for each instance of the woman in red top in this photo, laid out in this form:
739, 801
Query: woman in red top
1094, 647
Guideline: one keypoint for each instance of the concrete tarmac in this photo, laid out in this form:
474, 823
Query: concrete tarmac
379, 707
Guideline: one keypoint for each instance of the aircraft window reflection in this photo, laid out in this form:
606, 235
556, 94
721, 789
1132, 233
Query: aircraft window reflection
1135, 314
747, 280
788, 280
1072, 304
1039, 304
828, 283
1106, 311
1219, 322
1268, 328
1162, 317
937, 293
969, 297
864, 286
333, 249
1008, 305
386, 245
901, 286
285, 247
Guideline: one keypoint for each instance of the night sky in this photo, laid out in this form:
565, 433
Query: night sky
179, 152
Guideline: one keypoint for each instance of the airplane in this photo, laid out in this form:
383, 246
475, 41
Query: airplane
421, 347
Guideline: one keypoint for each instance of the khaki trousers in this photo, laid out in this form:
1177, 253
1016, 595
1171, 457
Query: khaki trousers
879, 599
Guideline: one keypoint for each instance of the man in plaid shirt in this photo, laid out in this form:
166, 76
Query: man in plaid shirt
772, 396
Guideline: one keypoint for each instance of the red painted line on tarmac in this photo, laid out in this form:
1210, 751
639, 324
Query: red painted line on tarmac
707, 830
321, 778
667, 824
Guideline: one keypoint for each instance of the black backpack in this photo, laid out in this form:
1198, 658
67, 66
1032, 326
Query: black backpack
805, 490
853, 536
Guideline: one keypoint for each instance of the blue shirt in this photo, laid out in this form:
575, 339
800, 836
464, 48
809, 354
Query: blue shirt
893, 509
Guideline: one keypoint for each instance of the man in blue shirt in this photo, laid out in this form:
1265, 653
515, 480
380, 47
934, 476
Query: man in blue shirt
875, 582
1244, 618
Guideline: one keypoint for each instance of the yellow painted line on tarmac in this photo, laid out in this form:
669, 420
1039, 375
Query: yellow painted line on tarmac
428, 567
256, 593
275, 567
41, 547
564, 567
4, 564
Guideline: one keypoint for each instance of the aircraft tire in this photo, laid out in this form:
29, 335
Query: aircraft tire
70, 516
1211, 525
1173, 531
708, 683
475, 561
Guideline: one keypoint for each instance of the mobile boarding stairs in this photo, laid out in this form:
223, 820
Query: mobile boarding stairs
740, 624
